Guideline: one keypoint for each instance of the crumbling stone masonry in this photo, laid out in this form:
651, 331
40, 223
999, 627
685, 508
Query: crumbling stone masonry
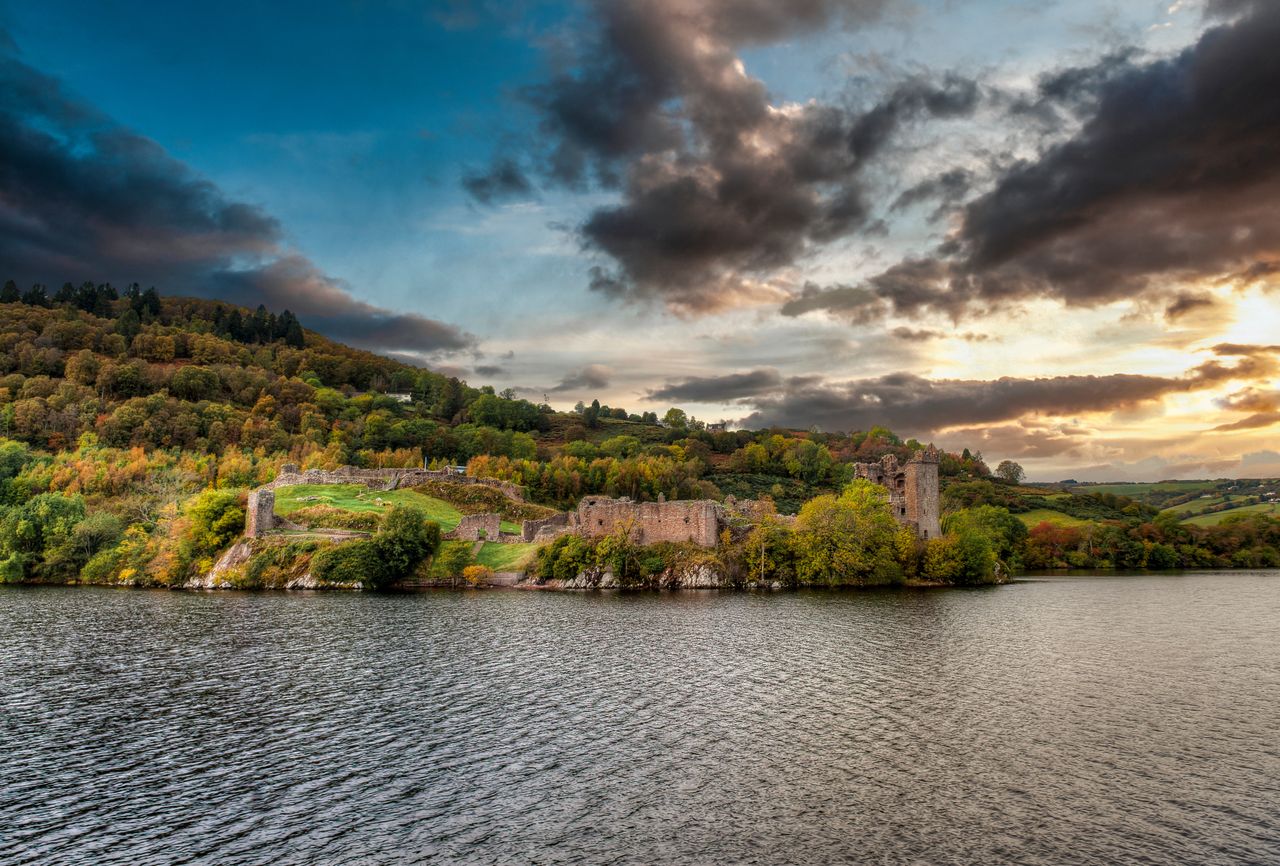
260, 515
913, 489
650, 522
545, 528
478, 527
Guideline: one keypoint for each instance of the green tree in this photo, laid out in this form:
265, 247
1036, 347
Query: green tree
215, 519
1005, 531
405, 539
1010, 472
676, 419
847, 539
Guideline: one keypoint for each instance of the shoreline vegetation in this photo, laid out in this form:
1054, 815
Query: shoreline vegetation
133, 426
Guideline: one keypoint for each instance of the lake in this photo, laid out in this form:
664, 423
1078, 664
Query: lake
1053, 721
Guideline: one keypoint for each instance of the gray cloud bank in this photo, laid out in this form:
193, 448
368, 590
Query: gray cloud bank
1173, 176
85, 198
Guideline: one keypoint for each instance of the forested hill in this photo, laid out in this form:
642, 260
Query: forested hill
131, 425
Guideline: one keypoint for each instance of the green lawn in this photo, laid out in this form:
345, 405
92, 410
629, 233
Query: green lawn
1214, 519
505, 557
1135, 490
1057, 518
357, 497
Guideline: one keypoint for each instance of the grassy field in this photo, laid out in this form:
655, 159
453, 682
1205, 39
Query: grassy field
1057, 518
1138, 490
357, 497
505, 557
1214, 519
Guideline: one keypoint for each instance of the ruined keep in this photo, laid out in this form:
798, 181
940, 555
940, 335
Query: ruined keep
913, 489
696, 520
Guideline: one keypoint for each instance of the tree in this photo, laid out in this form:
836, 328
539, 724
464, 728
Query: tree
676, 419
1010, 472
591, 414
1006, 533
10, 294
405, 539
36, 297
453, 558
215, 519
847, 539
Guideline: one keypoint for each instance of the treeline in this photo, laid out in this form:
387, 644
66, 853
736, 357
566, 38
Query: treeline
1239, 541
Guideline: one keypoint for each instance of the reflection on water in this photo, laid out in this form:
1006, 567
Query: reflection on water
1053, 721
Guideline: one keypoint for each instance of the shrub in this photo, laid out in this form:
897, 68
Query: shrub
351, 561
477, 574
328, 517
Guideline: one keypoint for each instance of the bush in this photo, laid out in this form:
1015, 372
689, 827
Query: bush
328, 517
406, 538
351, 561
477, 574
216, 519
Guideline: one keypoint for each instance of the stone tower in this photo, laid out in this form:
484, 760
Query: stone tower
921, 492
260, 515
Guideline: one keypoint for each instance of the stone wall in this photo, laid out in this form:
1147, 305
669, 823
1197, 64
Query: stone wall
478, 527
545, 529
651, 522
260, 515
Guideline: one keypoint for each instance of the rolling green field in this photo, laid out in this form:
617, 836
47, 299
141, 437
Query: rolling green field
1140, 490
357, 497
1057, 518
1214, 519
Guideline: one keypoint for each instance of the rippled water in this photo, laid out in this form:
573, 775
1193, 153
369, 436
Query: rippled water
1117, 720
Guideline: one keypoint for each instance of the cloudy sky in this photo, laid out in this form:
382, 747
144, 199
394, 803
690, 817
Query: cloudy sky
1045, 229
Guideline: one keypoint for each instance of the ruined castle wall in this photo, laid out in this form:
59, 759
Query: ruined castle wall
478, 527
260, 514
651, 522
547, 527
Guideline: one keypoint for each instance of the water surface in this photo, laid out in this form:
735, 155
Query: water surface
1070, 720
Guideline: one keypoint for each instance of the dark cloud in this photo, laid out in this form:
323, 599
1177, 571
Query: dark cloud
720, 188
719, 389
1173, 177
1187, 302
490, 370
502, 180
590, 376
85, 198
947, 189
924, 335
1262, 404
1256, 421
1233, 350
915, 405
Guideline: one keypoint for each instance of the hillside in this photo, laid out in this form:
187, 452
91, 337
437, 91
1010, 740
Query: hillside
132, 424
1200, 503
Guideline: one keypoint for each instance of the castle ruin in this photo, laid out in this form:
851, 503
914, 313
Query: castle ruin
913, 489
696, 520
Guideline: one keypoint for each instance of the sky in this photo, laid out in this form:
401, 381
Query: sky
1047, 230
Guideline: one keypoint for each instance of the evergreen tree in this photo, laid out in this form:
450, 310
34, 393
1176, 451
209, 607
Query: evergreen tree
36, 296
10, 294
